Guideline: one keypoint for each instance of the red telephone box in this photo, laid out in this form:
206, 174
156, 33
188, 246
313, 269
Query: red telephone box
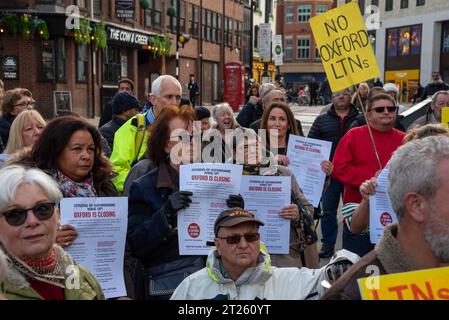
234, 85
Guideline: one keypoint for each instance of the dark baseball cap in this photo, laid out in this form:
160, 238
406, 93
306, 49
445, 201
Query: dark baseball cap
234, 216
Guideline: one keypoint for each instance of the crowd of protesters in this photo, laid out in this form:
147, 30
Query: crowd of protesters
131, 154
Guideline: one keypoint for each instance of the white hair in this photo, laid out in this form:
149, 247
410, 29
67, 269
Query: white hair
13, 176
221, 108
414, 168
157, 84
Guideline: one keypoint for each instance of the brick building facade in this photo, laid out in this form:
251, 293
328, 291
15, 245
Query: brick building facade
90, 75
301, 59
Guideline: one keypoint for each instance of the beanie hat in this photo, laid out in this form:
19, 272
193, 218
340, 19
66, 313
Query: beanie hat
124, 101
201, 113
391, 87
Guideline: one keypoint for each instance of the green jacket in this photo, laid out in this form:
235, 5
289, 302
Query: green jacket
16, 287
124, 152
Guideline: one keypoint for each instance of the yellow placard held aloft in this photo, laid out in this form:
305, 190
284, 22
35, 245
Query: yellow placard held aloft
344, 46
445, 117
430, 284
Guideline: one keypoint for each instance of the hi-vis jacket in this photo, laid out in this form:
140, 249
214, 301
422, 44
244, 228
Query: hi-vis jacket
261, 282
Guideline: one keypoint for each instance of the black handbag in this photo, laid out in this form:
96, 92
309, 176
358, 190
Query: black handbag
163, 279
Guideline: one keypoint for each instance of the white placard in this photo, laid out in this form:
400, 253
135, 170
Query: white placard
265, 41
306, 155
100, 246
265, 196
278, 61
381, 212
211, 184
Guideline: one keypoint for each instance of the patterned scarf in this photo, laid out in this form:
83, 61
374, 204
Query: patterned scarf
72, 189
41, 270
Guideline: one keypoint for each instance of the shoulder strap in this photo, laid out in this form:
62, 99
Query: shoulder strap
139, 135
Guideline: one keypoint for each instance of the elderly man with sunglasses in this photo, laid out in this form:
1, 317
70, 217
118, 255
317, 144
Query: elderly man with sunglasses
355, 160
239, 267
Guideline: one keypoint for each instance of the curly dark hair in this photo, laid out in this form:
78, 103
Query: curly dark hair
159, 133
55, 137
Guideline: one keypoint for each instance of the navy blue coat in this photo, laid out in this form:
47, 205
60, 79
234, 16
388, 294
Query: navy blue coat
151, 231
327, 127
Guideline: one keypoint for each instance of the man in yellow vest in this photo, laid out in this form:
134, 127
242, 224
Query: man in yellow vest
130, 139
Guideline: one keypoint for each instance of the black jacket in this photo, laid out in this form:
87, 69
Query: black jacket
109, 129
106, 114
249, 114
327, 127
431, 88
5, 126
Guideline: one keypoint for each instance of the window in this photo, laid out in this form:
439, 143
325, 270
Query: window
420, 2
204, 25
303, 48
46, 61
97, 7
317, 54
304, 13
52, 59
153, 15
193, 20
375, 2
238, 34
404, 41
209, 25
60, 59
111, 64
219, 29
171, 21
228, 32
81, 3
81, 63
404, 4
388, 5
289, 14
288, 49
321, 8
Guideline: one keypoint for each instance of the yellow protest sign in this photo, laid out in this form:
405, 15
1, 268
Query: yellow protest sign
430, 284
445, 117
344, 46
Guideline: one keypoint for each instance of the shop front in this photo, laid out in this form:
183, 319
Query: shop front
407, 82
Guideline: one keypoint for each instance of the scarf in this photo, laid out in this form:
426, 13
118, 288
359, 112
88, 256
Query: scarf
50, 270
71, 189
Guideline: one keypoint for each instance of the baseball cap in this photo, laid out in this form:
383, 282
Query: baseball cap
233, 217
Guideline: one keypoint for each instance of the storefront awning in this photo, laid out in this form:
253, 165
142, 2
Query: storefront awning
303, 77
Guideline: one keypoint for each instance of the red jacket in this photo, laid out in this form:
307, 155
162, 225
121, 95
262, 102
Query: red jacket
355, 161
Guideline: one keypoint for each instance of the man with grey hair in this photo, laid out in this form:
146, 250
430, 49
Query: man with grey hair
440, 100
253, 110
418, 190
129, 146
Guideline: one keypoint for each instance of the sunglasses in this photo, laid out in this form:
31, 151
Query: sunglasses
249, 237
16, 217
382, 109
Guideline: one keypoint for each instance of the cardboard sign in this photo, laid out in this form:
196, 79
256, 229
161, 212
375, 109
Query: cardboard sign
344, 46
429, 284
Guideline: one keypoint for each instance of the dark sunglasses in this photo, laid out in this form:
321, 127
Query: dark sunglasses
16, 217
382, 109
249, 237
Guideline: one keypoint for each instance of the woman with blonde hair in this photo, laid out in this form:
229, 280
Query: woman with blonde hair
25, 130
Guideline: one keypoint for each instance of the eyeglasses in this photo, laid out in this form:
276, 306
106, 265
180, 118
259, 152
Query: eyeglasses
235, 239
25, 104
382, 109
16, 217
